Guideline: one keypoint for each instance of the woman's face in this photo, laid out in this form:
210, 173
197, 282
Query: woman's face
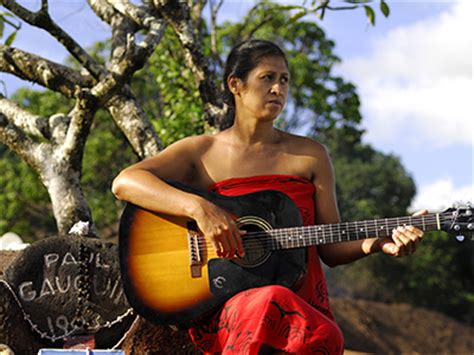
263, 95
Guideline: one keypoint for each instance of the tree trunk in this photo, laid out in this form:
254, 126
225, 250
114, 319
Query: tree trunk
69, 204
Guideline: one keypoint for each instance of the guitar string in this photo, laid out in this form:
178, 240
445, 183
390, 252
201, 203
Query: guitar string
329, 229
338, 228
254, 240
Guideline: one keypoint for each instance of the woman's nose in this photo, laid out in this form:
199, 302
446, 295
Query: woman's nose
276, 89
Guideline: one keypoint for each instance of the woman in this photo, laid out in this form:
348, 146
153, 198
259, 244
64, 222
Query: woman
249, 156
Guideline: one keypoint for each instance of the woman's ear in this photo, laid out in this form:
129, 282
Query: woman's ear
234, 85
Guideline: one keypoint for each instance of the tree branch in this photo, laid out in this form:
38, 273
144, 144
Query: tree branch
51, 75
214, 50
41, 19
132, 121
29, 124
103, 9
17, 140
79, 127
127, 56
177, 15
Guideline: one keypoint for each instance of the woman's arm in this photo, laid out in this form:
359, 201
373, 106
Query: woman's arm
142, 184
402, 242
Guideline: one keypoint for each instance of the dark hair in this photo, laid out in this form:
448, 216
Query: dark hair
242, 59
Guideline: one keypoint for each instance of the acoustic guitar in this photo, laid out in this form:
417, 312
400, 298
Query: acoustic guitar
172, 275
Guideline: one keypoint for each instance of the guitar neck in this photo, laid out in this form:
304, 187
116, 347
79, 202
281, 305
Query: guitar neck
297, 237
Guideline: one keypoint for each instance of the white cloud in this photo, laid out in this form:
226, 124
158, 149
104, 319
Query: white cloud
442, 194
416, 81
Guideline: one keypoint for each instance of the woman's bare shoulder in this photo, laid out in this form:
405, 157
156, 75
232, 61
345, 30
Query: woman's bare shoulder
192, 145
195, 141
305, 145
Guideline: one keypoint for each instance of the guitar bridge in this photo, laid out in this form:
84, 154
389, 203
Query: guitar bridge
195, 260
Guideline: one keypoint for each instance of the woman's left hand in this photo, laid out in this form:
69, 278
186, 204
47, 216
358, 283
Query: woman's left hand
404, 239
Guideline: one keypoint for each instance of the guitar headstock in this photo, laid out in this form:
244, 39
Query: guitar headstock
459, 220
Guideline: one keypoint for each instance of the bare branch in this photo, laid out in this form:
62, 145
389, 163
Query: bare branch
17, 140
51, 75
127, 57
196, 7
79, 126
30, 124
42, 20
132, 121
143, 16
44, 5
214, 8
123, 37
177, 15
103, 9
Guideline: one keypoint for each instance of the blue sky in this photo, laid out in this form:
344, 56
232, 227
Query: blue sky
413, 72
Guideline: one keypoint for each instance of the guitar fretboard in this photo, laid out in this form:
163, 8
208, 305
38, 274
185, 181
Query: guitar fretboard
297, 237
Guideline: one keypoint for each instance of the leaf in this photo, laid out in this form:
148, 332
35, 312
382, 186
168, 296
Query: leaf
297, 16
384, 8
11, 38
370, 14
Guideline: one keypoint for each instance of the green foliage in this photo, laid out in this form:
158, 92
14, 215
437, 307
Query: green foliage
319, 8
369, 184
438, 277
5, 19
106, 153
318, 99
25, 202
166, 90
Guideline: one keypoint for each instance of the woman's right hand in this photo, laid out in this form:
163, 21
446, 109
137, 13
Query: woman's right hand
219, 227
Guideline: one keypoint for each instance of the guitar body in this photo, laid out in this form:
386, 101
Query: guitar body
155, 257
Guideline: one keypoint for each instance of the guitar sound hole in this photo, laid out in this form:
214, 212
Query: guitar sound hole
256, 252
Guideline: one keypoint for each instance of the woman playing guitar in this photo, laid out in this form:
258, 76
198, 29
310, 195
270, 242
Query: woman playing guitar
253, 155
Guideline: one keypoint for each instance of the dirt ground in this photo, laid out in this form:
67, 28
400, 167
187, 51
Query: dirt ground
368, 327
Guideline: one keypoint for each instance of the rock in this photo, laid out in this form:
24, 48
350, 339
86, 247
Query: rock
71, 286
15, 331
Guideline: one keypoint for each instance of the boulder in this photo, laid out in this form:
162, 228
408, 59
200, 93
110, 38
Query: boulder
70, 286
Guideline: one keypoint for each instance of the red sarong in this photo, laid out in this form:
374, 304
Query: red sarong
298, 321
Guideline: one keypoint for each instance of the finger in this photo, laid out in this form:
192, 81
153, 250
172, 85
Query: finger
410, 236
402, 241
418, 233
240, 245
234, 242
420, 213
217, 247
390, 248
398, 238
409, 232
226, 247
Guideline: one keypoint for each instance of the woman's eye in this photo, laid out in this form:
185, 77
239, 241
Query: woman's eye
268, 77
284, 80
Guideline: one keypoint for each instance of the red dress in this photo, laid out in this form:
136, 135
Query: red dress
298, 321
